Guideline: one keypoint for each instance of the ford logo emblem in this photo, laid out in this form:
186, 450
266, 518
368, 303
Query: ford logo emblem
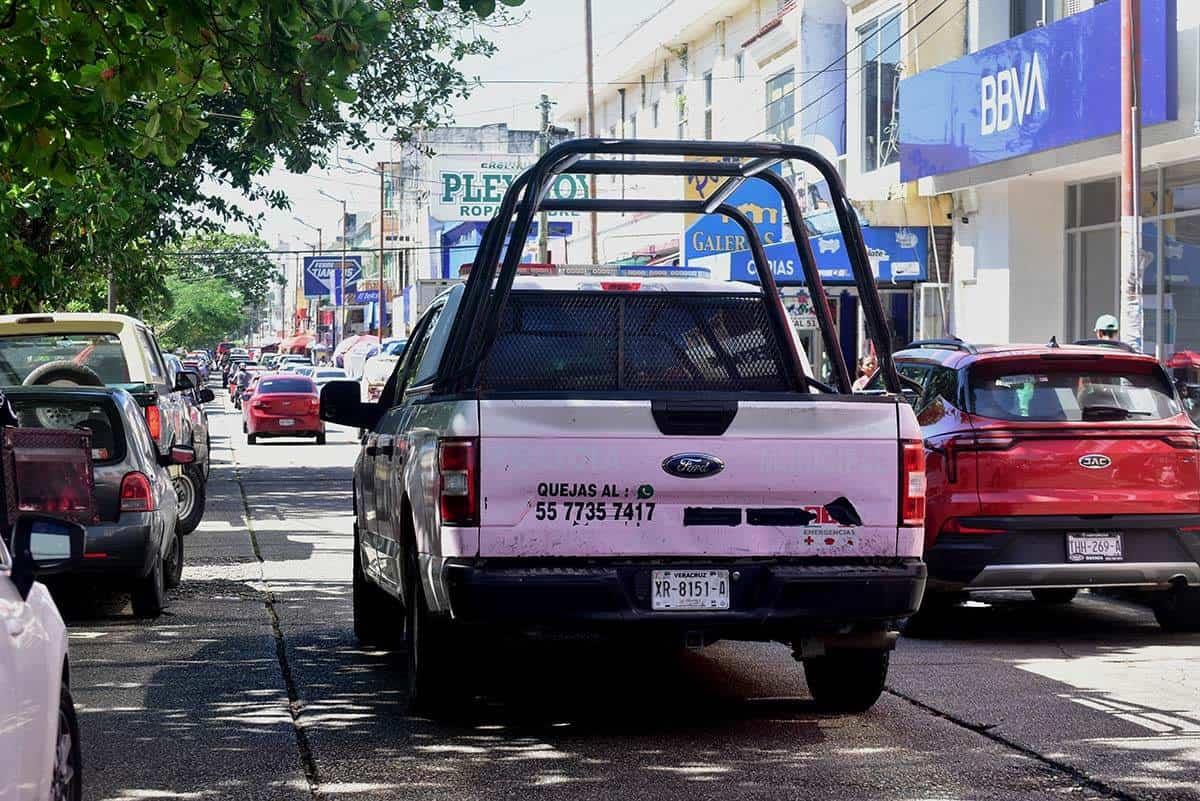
1094, 461
693, 465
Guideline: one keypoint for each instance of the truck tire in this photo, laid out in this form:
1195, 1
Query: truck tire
1055, 595
190, 488
150, 593
429, 645
1178, 609
378, 617
63, 371
847, 682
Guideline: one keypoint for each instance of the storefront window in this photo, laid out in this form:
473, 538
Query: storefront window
1170, 245
880, 41
1098, 271
781, 105
1181, 187
1098, 202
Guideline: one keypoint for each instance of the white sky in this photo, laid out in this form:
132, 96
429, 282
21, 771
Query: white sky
546, 45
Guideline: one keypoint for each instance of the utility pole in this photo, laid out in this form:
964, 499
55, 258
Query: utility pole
112, 291
382, 299
341, 308
1131, 177
543, 217
591, 114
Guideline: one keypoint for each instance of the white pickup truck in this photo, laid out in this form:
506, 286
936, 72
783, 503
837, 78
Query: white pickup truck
644, 458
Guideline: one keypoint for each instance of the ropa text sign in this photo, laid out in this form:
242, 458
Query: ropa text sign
472, 187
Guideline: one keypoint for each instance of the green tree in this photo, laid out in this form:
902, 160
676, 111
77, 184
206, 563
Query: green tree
113, 113
240, 259
202, 311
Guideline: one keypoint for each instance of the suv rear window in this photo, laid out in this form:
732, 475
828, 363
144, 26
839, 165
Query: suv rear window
297, 384
1072, 393
636, 341
21, 354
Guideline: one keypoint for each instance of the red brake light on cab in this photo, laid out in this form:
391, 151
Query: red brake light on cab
620, 286
136, 493
458, 468
912, 483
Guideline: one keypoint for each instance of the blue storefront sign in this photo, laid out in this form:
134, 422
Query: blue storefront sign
323, 275
1047, 88
897, 255
712, 233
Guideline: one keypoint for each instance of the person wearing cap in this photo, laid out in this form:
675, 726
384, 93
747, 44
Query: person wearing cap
1107, 327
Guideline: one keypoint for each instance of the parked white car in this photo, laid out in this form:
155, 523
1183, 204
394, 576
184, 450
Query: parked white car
379, 368
39, 733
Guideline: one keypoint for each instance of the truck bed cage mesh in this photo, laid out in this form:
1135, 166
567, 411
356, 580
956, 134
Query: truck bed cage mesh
504, 238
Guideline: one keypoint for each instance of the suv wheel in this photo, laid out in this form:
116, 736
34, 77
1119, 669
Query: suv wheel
150, 592
191, 493
847, 682
378, 618
1057, 595
1179, 609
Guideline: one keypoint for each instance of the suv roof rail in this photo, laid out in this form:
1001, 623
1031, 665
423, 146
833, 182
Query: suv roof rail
1106, 343
950, 343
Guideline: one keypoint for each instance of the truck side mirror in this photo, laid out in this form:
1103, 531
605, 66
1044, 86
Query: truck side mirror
341, 403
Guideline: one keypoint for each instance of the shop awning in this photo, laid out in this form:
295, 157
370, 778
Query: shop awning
297, 344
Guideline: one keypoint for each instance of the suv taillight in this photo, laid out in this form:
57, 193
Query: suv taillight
912, 483
458, 469
136, 494
154, 420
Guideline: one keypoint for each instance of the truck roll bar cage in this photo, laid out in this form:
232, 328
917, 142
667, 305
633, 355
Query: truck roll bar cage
505, 235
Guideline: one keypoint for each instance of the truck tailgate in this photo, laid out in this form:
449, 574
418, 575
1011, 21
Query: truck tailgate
587, 478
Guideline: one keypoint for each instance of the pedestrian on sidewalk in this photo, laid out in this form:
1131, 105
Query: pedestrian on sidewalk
1107, 327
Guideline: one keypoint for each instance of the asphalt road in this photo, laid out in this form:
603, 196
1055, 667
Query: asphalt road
252, 687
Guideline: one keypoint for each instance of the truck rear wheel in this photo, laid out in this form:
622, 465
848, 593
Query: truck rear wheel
429, 644
1178, 609
847, 682
377, 615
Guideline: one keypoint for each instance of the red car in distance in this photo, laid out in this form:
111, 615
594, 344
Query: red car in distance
1054, 468
283, 405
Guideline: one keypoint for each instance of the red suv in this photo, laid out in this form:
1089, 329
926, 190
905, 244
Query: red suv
1053, 468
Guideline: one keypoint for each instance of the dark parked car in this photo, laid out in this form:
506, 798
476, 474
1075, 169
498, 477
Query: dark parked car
134, 542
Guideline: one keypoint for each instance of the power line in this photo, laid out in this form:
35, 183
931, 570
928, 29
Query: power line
841, 84
931, 34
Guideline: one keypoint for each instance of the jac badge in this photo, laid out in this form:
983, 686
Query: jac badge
1094, 461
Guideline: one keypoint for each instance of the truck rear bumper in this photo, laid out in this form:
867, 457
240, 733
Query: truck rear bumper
769, 599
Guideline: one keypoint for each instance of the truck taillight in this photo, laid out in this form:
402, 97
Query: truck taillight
136, 494
620, 286
458, 469
912, 483
154, 420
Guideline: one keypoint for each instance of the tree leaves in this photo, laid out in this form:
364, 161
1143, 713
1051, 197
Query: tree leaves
118, 116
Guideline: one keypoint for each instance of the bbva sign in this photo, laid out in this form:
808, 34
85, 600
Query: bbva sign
1011, 95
